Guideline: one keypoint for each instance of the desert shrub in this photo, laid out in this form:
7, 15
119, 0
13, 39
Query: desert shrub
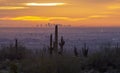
11, 52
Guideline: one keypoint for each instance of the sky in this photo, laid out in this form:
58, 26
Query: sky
82, 13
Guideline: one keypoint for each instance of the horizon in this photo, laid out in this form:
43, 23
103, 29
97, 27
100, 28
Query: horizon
63, 27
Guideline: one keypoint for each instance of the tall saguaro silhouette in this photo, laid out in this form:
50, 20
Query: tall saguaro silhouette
16, 49
51, 42
16, 44
51, 45
56, 39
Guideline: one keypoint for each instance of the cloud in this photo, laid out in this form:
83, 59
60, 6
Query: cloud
16, 5
45, 4
25, 18
98, 16
38, 18
114, 7
11, 7
97, 1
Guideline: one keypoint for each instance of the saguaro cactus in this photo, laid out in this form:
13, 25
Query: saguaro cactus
51, 44
75, 51
56, 39
16, 49
61, 44
16, 44
85, 50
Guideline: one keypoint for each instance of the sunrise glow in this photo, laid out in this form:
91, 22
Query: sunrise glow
11, 7
45, 4
38, 18
75, 12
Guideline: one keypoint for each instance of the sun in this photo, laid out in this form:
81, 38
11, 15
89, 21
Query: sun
45, 4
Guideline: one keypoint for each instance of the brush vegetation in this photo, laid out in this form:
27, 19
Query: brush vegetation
16, 58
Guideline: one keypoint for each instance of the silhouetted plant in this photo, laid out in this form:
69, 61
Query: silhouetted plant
107, 47
13, 68
16, 44
85, 50
117, 49
61, 44
117, 46
51, 45
16, 48
13, 51
44, 51
75, 51
51, 41
56, 39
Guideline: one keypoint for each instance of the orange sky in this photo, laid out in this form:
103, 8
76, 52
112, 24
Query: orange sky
84, 13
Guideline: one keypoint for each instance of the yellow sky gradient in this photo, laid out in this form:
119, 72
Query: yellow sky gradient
83, 13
